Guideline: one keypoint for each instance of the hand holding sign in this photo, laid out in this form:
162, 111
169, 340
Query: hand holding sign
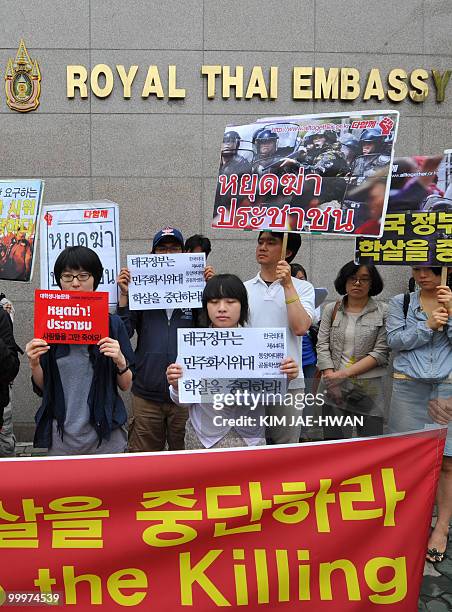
34, 349
444, 297
289, 367
110, 348
283, 273
173, 373
437, 318
209, 271
123, 281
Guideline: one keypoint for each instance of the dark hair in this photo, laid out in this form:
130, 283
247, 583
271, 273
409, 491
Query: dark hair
350, 268
78, 258
198, 240
224, 286
295, 268
293, 242
437, 271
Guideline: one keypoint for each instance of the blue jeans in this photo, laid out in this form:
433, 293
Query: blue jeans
409, 406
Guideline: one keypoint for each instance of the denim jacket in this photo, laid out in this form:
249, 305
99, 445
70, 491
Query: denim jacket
419, 351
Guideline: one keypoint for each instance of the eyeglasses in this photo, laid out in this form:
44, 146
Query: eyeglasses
365, 280
170, 248
82, 277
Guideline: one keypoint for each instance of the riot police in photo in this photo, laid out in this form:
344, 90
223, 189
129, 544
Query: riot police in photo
322, 154
267, 159
350, 148
373, 156
231, 160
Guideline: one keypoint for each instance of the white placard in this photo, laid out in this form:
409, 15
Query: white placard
91, 224
166, 281
226, 353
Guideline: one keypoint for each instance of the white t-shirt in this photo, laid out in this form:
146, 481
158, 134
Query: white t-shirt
268, 308
202, 418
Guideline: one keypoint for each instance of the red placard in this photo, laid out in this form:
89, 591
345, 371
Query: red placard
327, 527
71, 317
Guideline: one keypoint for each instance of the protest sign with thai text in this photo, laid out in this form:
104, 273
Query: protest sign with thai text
90, 224
325, 173
71, 317
166, 280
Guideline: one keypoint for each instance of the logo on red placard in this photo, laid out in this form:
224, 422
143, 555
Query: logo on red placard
48, 218
95, 214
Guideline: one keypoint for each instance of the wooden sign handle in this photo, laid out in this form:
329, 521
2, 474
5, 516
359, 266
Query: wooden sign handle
284, 246
443, 282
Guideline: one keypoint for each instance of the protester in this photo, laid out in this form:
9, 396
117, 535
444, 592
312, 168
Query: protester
225, 304
352, 352
420, 335
198, 244
278, 300
81, 411
309, 340
309, 360
156, 420
9, 367
7, 437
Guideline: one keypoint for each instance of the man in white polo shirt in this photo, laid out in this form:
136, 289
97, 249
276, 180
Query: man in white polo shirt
276, 299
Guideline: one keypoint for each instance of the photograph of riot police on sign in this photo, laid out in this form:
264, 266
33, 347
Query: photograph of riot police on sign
418, 223
444, 175
311, 173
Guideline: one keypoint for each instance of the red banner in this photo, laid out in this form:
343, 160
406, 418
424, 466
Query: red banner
331, 526
71, 317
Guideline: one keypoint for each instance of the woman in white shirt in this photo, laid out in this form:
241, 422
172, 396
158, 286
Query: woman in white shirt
225, 304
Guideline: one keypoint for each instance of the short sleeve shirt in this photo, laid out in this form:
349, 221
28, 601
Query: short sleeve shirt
268, 309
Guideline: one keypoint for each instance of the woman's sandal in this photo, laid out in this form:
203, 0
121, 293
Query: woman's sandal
435, 555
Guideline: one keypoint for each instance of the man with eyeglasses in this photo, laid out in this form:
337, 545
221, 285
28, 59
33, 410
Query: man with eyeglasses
156, 420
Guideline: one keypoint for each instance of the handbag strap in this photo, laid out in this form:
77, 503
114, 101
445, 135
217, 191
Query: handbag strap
335, 309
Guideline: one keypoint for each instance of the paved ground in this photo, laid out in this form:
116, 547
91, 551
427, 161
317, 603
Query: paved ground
436, 592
